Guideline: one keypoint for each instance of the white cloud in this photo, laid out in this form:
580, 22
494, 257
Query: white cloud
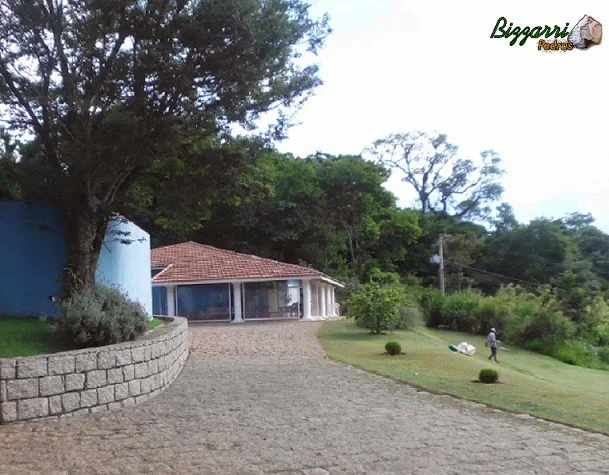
394, 66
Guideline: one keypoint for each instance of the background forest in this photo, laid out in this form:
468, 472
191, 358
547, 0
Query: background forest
544, 284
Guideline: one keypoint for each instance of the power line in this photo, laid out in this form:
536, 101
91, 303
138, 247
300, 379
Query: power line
534, 284
492, 273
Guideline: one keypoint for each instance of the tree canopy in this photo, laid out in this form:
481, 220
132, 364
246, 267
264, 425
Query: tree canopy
443, 181
109, 89
331, 212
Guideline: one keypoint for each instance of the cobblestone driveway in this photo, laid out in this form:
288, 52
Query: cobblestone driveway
261, 398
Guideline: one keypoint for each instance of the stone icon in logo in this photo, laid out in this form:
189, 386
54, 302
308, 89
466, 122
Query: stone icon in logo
586, 33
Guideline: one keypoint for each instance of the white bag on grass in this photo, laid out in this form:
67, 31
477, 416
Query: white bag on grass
466, 349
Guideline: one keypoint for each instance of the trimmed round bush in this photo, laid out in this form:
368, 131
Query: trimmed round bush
488, 376
103, 316
393, 348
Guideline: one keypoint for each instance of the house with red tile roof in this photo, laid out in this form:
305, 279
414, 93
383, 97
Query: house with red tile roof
204, 283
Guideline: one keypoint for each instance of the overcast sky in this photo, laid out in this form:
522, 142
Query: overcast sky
396, 65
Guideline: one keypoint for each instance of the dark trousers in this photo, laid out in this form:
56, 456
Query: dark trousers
493, 353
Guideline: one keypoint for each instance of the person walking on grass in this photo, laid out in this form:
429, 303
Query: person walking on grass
491, 340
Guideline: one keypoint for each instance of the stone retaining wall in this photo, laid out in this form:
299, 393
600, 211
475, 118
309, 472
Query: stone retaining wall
94, 379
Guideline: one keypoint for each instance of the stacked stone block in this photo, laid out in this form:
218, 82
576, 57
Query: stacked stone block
95, 379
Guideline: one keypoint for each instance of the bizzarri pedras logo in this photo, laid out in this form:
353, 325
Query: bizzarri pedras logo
586, 33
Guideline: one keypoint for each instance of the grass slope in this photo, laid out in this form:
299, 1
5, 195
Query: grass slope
26, 337
530, 382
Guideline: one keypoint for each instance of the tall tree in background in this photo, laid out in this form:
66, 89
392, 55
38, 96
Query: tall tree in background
505, 220
354, 195
444, 183
534, 253
592, 243
106, 87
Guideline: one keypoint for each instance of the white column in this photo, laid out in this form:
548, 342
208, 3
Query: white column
324, 301
329, 302
237, 305
333, 302
171, 301
306, 296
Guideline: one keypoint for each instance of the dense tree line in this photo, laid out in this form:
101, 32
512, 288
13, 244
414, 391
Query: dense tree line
543, 283
325, 211
334, 213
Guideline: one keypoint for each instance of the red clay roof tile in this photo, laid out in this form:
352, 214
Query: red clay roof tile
194, 262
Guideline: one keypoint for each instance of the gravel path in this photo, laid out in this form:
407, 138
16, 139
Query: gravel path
262, 398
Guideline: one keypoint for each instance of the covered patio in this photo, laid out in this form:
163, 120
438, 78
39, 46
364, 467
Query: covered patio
207, 284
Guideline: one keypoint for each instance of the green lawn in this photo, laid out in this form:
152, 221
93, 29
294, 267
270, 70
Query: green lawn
530, 382
26, 337
154, 323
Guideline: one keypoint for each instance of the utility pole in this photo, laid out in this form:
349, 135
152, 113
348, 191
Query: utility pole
441, 270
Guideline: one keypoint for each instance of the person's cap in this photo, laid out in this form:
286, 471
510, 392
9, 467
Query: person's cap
493, 330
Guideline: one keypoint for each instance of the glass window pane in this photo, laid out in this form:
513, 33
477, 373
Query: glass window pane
271, 300
159, 300
204, 302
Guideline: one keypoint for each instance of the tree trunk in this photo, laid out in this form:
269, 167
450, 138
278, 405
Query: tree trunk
84, 232
423, 205
352, 253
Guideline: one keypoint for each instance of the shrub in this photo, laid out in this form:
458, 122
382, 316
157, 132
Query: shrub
352, 286
376, 307
594, 322
567, 355
600, 334
490, 313
603, 354
575, 352
102, 316
540, 346
488, 376
409, 317
531, 316
431, 301
459, 311
393, 348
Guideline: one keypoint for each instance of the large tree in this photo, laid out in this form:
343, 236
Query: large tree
360, 208
534, 253
443, 181
331, 212
179, 194
108, 87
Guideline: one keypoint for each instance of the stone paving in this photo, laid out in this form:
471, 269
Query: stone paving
262, 398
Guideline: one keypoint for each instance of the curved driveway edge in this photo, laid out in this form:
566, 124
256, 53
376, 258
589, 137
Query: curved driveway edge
262, 398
